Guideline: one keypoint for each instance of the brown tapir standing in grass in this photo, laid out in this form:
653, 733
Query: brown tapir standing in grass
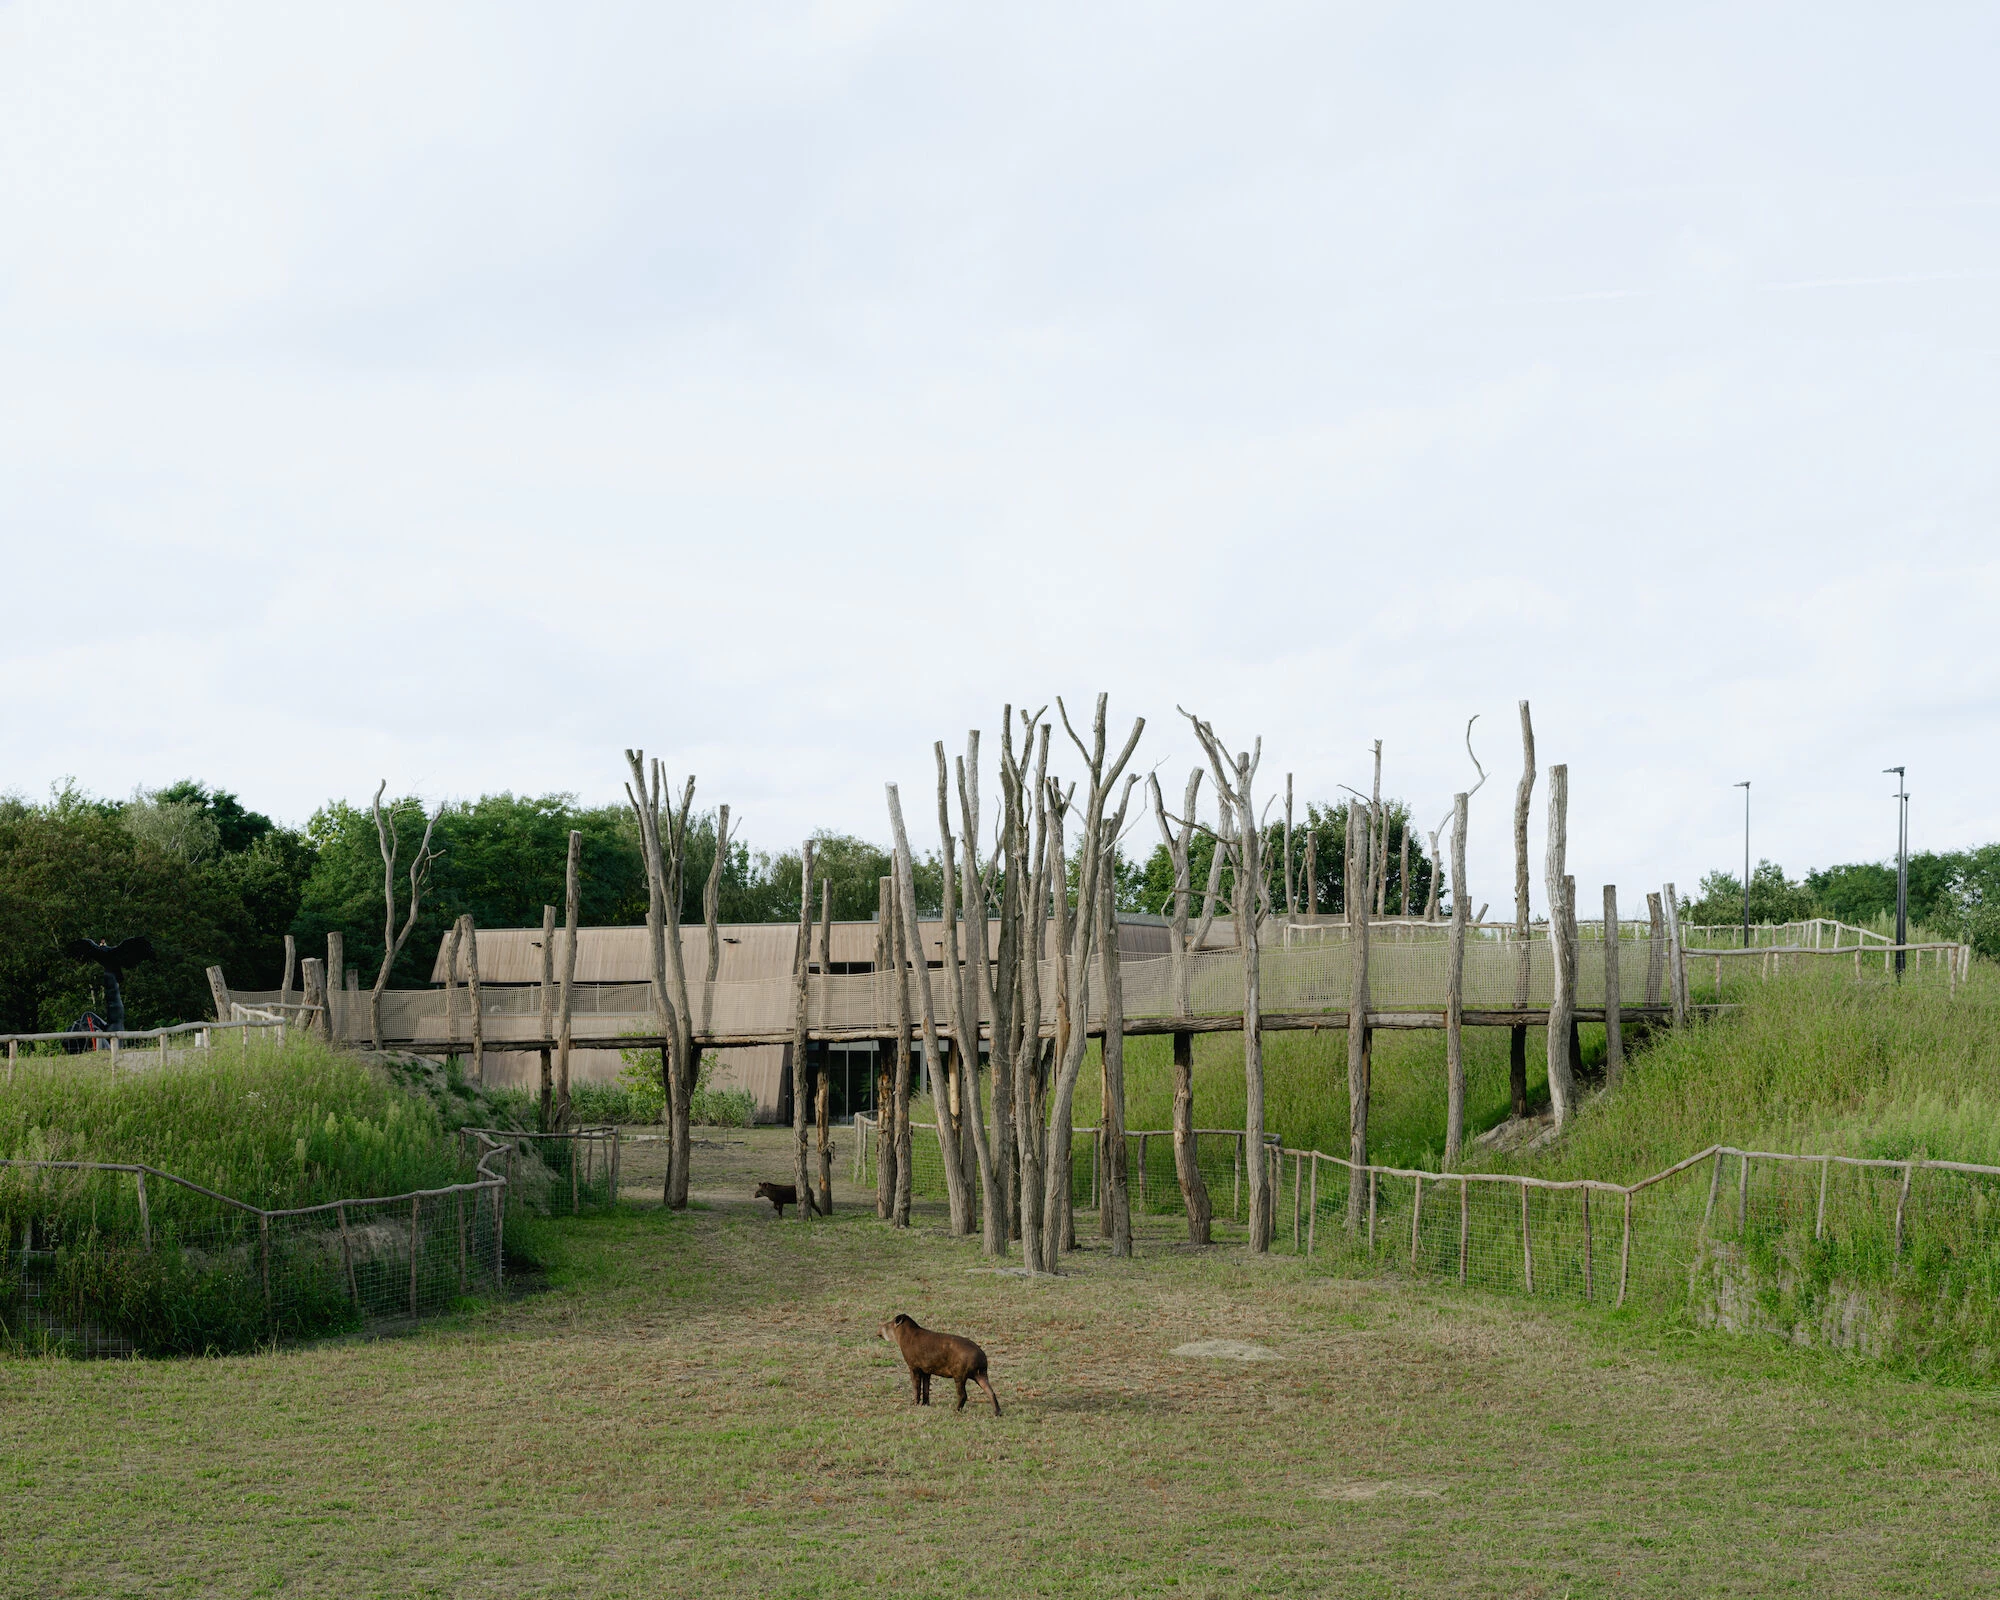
780, 1195
939, 1355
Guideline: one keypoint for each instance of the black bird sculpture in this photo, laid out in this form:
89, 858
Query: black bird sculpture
113, 959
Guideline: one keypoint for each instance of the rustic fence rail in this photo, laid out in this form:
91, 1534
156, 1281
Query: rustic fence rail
96, 1266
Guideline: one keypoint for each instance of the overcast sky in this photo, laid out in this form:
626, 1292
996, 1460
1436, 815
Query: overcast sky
458, 395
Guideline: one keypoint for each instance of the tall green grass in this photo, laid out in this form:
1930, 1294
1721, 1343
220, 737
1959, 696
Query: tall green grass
1809, 1062
1305, 1087
275, 1126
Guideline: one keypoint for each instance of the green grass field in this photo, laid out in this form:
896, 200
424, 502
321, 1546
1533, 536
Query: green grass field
699, 1405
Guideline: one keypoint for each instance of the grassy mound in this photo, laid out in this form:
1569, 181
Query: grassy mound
276, 1127
1809, 1062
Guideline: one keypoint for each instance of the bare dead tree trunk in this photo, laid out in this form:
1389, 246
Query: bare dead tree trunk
1178, 841
802, 1032
392, 940
1117, 1193
1291, 877
1437, 875
1614, 1021
291, 967
451, 943
904, 946
887, 972
711, 905
548, 1012
1454, 991
1360, 850
472, 994
1027, 877
1378, 832
663, 855
572, 898
312, 979
1233, 784
1312, 874
336, 980
1405, 869
1517, 1037
823, 1108
1091, 857
1562, 1004
956, 1191
1656, 949
681, 1055
968, 974
1059, 1226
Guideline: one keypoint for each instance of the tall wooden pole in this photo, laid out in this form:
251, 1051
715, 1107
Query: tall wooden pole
572, 901
336, 983
1454, 991
452, 942
472, 994
1360, 850
547, 1099
900, 1209
823, 1108
885, 1053
1614, 1022
802, 1033
1517, 1036
1562, 1003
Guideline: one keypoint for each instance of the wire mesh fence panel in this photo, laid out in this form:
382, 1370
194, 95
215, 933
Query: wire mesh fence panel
96, 1265
556, 1174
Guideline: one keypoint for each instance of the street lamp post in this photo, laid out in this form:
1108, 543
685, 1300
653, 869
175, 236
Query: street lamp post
1745, 787
1902, 867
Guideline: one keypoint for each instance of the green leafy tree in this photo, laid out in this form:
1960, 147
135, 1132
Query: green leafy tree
1773, 898
501, 857
77, 867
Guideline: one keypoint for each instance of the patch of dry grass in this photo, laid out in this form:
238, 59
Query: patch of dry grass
701, 1405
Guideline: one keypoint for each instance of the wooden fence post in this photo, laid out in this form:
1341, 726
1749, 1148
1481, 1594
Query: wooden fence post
1312, 1209
1589, 1281
264, 1254
1902, 1201
1676, 957
1819, 1212
1371, 1210
1625, 1249
347, 1255
1416, 1217
1464, 1225
1527, 1246
1714, 1186
145, 1215
1298, 1167
1743, 1195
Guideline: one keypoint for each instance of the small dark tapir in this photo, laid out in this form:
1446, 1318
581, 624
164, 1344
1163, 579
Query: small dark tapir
779, 1194
939, 1355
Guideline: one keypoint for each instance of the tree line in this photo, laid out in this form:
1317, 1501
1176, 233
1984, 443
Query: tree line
211, 882
1954, 894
